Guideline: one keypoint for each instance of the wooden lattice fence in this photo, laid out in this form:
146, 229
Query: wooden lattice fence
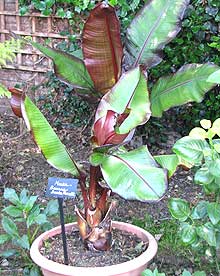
29, 66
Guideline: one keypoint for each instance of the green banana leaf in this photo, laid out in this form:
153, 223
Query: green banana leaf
68, 68
129, 95
191, 149
169, 162
78, 53
156, 25
215, 77
44, 136
136, 174
186, 85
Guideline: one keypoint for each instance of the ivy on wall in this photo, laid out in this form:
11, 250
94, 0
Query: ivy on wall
66, 8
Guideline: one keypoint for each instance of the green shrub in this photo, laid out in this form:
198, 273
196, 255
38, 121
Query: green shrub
8, 49
23, 218
200, 223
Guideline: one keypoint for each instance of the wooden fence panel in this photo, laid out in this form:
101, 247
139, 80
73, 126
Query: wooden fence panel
29, 61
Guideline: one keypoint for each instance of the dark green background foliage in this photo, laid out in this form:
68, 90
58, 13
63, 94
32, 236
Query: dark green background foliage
62, 106
65, 8
198, 42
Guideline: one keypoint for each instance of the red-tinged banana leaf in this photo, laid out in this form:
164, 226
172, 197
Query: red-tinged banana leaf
102, 48
155, 25
104, 130
68, 68
43, 134
129, 99
189, 84
136, 174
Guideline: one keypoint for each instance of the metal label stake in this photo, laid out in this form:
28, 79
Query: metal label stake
63, 232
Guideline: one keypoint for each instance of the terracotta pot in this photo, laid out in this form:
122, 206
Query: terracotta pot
130, 268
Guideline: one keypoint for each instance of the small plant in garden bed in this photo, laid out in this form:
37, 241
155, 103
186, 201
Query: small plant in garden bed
116, 77
200, 224
148, 272
22, 221
166, 230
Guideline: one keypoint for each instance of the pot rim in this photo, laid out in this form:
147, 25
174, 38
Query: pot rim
124, 267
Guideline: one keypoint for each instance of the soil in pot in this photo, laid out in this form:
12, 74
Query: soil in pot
125, 246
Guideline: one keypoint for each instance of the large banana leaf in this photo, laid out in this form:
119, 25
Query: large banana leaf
156, 25
129, 96
43, 134
102, 48
133, 175
187, 85
68, 68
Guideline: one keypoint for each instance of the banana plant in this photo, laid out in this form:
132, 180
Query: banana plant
116, 76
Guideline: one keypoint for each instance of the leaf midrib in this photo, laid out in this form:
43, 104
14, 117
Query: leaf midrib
51, 53
168, 90
150, 35
130, 167
82, 72
112, 49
